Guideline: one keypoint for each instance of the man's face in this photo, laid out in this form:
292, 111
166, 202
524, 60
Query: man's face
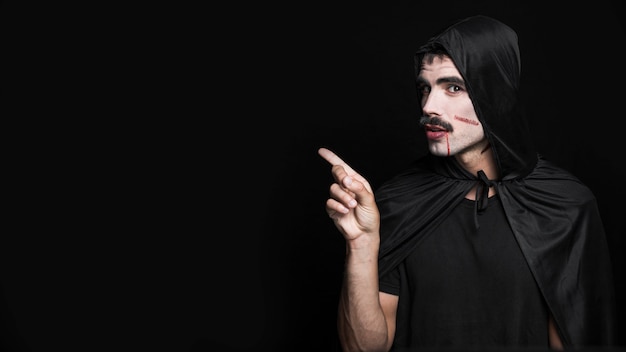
449, 118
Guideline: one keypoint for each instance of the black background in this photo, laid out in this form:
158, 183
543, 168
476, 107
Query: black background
200, 224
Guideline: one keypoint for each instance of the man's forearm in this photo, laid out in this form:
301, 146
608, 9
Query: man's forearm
361, 322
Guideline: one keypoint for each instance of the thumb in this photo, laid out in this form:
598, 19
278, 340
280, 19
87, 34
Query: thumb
360, 190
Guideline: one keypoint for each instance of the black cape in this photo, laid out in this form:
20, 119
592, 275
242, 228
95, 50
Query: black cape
554, 216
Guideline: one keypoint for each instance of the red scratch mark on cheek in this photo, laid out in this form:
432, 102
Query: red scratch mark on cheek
448, 143
466, 120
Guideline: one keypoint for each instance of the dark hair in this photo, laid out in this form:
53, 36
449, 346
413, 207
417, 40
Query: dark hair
428, 53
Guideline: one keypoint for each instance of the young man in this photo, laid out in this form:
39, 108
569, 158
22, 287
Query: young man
483, 242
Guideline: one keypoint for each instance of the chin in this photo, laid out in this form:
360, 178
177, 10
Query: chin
439, 151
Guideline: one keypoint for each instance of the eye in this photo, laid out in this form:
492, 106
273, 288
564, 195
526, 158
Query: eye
423, 89
454, 88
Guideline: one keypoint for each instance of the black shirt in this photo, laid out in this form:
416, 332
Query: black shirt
468, 287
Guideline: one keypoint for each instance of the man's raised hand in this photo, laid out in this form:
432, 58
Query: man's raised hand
351, 203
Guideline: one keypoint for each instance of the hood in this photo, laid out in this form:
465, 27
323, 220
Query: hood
486, 53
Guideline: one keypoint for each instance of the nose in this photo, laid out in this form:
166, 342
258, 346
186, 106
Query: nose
430, 104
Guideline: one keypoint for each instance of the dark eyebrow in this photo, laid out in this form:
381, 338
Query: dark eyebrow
451, 79
443, 80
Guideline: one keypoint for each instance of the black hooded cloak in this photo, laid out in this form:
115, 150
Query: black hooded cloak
553, 215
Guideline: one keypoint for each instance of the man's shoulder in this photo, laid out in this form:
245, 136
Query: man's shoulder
549, 178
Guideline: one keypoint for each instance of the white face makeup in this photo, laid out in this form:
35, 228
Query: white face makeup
452, 127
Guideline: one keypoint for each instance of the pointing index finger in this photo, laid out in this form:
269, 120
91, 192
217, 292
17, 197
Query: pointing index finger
334, 159
331, 157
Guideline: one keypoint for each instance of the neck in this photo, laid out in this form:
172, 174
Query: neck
480, 158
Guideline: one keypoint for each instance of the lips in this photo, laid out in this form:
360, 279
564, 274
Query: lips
434, 131
434, 128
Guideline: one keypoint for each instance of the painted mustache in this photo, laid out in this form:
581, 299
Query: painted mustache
428, 121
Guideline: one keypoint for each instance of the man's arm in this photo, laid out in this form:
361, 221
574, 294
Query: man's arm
366, 317
553, 335
362, 315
